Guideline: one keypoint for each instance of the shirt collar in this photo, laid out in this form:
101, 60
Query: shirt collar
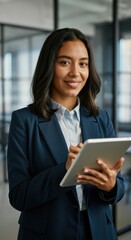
61, 110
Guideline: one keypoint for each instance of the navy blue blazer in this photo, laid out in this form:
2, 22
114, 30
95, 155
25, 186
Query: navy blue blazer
37, 152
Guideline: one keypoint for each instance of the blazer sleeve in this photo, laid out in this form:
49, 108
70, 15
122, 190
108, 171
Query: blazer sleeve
27, 191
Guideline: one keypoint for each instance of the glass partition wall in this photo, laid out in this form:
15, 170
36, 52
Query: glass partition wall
124, 110
19, 52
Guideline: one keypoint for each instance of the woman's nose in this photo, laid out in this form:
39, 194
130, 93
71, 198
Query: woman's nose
74, 70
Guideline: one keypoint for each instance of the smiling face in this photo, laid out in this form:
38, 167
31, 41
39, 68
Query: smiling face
71, 73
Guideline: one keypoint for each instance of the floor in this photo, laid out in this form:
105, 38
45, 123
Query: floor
9, 216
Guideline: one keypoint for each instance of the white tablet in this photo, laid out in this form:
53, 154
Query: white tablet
110, 150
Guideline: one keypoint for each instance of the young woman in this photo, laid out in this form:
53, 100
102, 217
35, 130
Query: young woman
45, 138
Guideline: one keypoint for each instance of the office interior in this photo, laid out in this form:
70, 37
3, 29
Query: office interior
24, 25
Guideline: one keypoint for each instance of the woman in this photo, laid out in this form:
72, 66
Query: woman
45, 138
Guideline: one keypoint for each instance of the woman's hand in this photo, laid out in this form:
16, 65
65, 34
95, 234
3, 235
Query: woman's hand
104, 179
73, 151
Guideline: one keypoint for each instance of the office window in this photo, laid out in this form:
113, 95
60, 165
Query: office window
124, 82
21, 50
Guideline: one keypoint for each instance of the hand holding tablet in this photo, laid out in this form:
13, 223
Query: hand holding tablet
110, 150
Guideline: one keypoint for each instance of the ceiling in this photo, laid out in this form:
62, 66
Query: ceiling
85, 14
82, 14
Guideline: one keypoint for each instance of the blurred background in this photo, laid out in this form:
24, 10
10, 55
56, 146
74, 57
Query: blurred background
24, 25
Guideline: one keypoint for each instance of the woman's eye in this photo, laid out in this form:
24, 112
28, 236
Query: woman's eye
64, 62
83, 64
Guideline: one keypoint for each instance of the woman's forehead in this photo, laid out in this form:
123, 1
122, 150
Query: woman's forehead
75, 47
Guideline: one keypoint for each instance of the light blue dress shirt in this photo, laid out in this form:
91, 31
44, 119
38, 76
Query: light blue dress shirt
70, 125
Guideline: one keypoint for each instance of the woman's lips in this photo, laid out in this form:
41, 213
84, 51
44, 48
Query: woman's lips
72, 84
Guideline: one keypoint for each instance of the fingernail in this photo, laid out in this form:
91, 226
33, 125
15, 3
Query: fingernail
99, 161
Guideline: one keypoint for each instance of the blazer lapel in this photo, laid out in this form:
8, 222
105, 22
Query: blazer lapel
89, 125
54, 138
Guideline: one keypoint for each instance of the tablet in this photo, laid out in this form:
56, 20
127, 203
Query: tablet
110, 150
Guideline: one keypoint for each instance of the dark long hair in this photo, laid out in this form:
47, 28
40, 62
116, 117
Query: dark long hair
43, 75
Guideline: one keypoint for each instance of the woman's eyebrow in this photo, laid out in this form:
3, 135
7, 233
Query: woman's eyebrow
64, 56
68, 57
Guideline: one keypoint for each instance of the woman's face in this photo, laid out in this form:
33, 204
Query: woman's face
71, 71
